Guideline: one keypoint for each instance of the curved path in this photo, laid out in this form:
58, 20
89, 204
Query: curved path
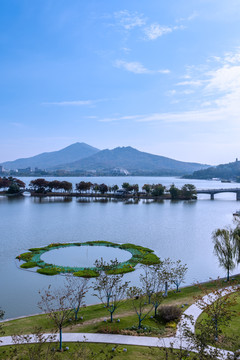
177, 342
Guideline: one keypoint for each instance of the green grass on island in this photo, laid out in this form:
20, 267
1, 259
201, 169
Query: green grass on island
139, 255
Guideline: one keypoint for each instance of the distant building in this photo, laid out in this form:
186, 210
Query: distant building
25, 171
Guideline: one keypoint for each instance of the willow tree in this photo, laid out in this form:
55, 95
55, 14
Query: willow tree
225, 248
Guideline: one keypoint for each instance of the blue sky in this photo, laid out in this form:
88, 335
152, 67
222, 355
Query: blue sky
163, 77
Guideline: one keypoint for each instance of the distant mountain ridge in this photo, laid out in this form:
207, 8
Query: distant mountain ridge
134, 161
230, 171
46, 160
81, 157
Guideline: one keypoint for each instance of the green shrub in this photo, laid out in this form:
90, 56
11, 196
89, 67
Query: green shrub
169, 313
47, 271
122, 270
150, 259
86, 273
28, 265
25, 256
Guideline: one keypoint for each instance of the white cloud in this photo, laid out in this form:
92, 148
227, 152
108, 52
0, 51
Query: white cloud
129, 20
191, 83
218, 89
155, 31
137, 68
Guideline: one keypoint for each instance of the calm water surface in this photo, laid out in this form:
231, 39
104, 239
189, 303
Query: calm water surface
179, 230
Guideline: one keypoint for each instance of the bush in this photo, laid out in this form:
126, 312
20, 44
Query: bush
48, 271
27, 265
124, 269
169, 313
87, 273
150, 259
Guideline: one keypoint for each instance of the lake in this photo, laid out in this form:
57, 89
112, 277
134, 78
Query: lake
179, 230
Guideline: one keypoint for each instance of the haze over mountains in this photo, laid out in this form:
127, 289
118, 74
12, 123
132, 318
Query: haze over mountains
85, 158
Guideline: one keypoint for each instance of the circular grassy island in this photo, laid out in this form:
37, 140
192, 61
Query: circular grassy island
140, 255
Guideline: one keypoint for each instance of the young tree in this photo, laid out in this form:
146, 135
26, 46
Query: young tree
149, 280
146, 188
39, 346
109, 288
139, 303
1, 324
57, 305
217, 304
225, 248
166, 274
178, 273
78, 287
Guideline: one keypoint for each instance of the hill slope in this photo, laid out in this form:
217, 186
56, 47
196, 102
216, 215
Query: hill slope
69, 154
229, 171
134, 161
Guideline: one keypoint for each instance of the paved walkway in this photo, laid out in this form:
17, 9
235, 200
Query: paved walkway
176, 342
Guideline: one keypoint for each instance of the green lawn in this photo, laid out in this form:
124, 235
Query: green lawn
93, 315
92, 351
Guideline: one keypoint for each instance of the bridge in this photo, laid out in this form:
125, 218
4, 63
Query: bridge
212, 192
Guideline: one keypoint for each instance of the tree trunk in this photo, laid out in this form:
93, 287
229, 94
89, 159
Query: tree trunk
60, 338
139, 322
149, 299
111, 317
166, 289
228, 274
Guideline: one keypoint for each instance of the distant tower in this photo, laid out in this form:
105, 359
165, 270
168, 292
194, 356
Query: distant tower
236, 159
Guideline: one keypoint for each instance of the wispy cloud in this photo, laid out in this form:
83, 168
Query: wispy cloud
129, 20
137, 68
188, 18
155, 31
218, 89
73, 103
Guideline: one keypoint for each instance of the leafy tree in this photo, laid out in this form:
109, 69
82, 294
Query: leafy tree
158, 190
66, 186
57, 305
188, 191
225, 248
78, 288
178, 273
126, 186
139, 303
109, 288
135, 188
147, 188
39, 185
115, 188
174, 191
103, 188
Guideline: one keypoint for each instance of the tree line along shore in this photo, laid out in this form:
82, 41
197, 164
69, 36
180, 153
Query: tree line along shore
11, 186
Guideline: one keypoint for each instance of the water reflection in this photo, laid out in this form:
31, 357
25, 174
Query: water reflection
54, 199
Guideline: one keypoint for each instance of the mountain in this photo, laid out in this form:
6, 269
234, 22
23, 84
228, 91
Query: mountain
230, 171
45, 160
135, 162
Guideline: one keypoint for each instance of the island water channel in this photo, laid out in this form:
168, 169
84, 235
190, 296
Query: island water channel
175, 229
